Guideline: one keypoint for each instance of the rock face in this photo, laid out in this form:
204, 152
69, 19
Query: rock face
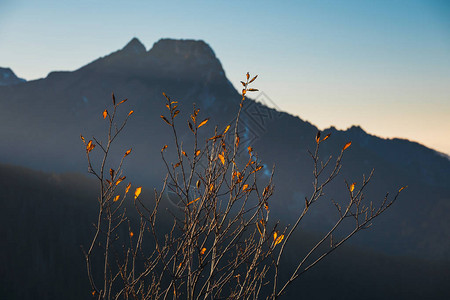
42, 121
7, 77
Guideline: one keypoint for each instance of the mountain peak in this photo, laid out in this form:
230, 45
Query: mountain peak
7, 77
134, 47
185, 49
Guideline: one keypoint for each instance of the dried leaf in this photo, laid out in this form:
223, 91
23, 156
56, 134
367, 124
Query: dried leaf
248, 75
111, 172
226, 129
177, 165
130, 113
198, 184
244, 187
279, 239
250, 149
90, 146
222, 159
346, 146
318, 137
105, 114
131, 233
253, 79
82, 138
128, 152
243, 83
164, 148
211, 187
113, 99
252, 90
203, 123
123, 101
202, 252
190, 126
184, 153
197, 153
116, 198
326, 137
120, 180
165, 120
176, 113
237, 141
352, 187
137, 192
402, 188
127, 188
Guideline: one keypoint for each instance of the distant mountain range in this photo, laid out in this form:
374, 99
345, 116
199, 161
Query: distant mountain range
7, 77
42, 120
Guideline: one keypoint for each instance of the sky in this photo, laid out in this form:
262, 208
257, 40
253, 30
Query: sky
383, 65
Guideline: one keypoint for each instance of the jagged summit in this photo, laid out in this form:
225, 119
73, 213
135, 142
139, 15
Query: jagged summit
134, 47
7, 77
196, 49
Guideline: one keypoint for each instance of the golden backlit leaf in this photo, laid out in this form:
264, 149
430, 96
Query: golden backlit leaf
326, 137
176, 113
105, 114
184, 153
226, 129
266, 206
82, 138
90, 146
165, 120
177, 165
352, 187
279, 239
222, 159
137, 192
318, 137
275, 234
127, 188
198, 184
123, 101
93, 293
131, 112
243, 83
237, 141
197, 153
108, 181
402, 188
211, 187
111, 172
127, 153
116, 198
257, 169
164, 148
244, 91
193, 201
120, 180
203, 123
346, 146
244, 187
131, 233
248, 75
202, 252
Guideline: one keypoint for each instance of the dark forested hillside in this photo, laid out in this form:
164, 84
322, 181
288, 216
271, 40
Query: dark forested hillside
45, 218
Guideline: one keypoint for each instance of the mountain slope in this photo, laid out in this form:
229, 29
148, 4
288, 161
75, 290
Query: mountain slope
7, 77
42, 121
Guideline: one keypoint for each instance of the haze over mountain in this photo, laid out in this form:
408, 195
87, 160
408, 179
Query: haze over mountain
42, 119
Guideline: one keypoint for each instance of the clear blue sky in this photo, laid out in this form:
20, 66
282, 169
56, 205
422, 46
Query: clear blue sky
384, 65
